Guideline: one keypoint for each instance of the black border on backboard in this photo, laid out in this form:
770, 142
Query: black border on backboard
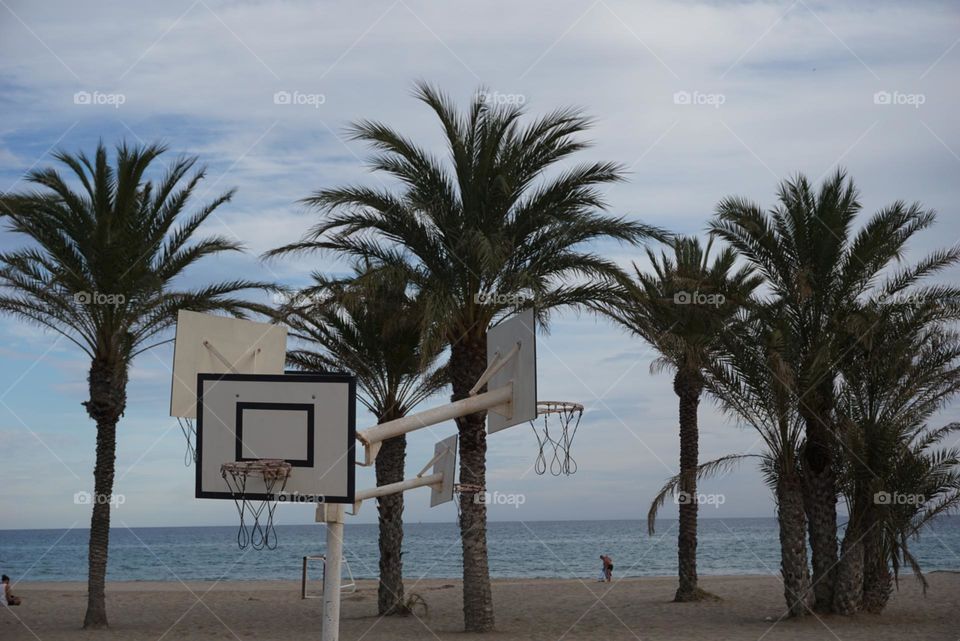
351, 382
286, 407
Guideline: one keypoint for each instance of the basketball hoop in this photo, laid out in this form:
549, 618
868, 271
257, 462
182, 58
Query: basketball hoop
556, 446
274, 474
189, 433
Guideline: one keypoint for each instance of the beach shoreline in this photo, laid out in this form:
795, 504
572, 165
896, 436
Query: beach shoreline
136, 585
749, 607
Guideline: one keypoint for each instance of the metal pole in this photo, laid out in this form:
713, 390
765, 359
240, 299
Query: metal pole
399, 486
498, 364
303, 580
501, 396
331, 573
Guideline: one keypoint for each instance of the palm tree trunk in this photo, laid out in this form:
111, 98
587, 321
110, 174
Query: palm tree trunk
389, 468
468, 358
820, 504
107, 383
876, 582
877, 578
793, 543
848, 592
688, 387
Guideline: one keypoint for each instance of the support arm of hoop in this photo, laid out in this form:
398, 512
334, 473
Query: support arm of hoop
395, 488
370, 451
223, 359
436, 457
499, 399
498, 364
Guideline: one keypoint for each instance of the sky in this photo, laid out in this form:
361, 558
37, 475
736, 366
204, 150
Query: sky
697, 100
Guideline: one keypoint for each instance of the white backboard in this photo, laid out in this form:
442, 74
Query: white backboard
447, 465
521, 370
309, 420
204, 341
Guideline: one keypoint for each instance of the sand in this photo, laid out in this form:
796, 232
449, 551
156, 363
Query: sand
749, 608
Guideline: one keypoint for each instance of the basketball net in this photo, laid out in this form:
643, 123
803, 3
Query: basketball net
260, 533
190, 434
555, 445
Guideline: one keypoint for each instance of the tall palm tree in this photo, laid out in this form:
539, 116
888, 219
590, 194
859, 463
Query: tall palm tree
100, 272
901, 365
372, 326
488, 229
817, 266
682, 310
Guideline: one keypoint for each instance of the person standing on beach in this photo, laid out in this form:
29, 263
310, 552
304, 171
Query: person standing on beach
7, 594
606, 573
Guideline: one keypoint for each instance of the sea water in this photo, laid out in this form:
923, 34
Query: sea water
559, 549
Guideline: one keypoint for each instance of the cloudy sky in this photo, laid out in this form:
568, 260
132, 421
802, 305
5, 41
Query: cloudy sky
698, 100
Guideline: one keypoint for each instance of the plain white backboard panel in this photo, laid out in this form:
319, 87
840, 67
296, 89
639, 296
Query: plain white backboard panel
447, 464
251, 348
522, 369
284, 432
308, 420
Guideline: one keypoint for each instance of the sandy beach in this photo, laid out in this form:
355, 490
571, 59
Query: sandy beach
547, 609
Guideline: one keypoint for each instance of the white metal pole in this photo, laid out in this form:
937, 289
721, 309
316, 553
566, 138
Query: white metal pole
399, 486
488, 400
498, 364
331, 573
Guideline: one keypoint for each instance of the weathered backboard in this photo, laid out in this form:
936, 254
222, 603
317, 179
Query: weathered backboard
204, 341
446, 464
521, 370
308, 420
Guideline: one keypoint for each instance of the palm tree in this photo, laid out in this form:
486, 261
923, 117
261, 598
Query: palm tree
920, 470
682, 310
753, 382
100, 272
372, 326
487, 230
817, 267
902, 364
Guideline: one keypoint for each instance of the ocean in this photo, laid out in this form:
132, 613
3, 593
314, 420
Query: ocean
558, 549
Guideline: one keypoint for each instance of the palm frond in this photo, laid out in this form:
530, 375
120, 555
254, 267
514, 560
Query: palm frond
707, 470
117, 241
